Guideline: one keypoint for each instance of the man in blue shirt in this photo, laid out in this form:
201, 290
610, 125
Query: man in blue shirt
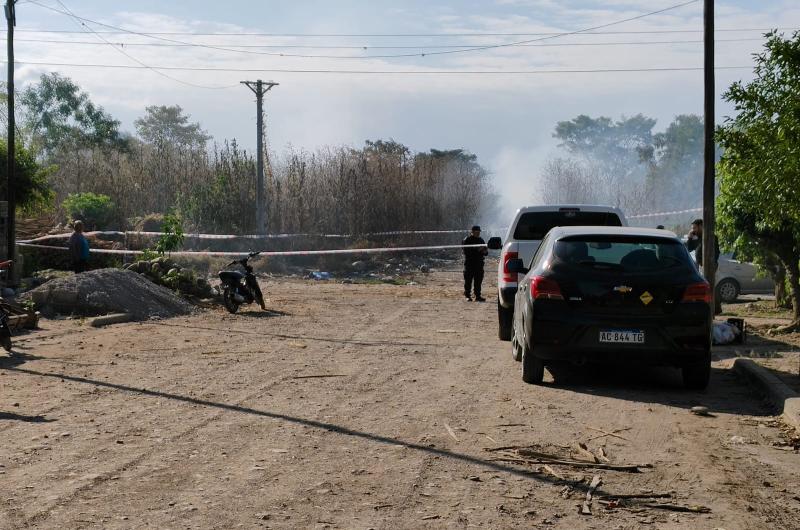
79, 248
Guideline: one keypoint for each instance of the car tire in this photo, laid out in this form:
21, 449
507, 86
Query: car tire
516, 349
728, 290
697, 375
532, 366
505, 320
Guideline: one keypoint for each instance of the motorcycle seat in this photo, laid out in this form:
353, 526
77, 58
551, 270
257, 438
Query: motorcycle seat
231, 276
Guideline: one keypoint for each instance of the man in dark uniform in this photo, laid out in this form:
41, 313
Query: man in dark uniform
473, 264
694, 242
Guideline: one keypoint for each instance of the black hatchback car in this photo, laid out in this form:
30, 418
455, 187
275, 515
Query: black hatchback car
607, 294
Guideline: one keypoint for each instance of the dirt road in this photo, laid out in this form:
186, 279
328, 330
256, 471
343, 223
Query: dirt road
361, 406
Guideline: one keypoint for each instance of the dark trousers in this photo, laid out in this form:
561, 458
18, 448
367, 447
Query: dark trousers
473, 275
80, 266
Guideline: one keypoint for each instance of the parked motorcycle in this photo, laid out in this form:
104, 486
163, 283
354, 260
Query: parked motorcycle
240, 287
5, 330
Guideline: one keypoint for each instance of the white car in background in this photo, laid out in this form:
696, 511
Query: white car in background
736, 277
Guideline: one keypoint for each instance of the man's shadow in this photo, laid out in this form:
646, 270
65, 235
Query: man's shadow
16, 358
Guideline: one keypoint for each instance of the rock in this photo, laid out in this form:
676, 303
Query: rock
7, 292
359, 266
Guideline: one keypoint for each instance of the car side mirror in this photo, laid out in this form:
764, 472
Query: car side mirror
495, 243
517, 266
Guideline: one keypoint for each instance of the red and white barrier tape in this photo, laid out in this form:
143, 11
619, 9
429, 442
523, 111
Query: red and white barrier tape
249, 236
663, 214
266, 253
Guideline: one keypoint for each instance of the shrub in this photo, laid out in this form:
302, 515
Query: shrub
152, 222
171, 238
96, 211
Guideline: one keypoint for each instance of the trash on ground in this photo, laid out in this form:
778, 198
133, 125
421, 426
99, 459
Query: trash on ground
725, 333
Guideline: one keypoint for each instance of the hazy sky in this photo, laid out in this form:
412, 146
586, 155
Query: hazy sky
507, 120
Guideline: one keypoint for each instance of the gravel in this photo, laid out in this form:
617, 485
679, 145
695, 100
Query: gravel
104, 291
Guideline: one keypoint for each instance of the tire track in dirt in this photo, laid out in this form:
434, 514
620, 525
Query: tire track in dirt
142, 457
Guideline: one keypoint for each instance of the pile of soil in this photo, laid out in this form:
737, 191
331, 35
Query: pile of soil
104, 291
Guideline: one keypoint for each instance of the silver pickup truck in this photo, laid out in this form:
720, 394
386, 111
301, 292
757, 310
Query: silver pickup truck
526, 231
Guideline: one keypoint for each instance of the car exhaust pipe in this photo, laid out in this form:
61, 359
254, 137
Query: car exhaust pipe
580, 362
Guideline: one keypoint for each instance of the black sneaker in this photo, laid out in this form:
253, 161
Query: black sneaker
468, 298
480, 299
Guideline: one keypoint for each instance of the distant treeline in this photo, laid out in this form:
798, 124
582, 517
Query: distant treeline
381, 186
170, 166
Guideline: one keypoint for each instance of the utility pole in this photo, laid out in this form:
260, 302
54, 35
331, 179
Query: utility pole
709, 174
260, 88
11, 203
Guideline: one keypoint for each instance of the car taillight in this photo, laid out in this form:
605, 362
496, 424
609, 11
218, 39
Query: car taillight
509, 277
697, 292
542, 287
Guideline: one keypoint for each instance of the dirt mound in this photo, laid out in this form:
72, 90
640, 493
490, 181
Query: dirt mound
104, 291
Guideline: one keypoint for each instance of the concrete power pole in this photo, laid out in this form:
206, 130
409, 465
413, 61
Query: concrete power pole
10, 205
260, 88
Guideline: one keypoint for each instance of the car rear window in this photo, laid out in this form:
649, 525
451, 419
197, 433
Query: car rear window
626, 253
533, 226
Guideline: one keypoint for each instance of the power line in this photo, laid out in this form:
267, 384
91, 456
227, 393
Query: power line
388, 56
366, 47
384, 72
131, 57
405, 35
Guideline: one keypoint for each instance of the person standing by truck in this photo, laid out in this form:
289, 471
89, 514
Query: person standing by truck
694, 242
78, 248
473, 264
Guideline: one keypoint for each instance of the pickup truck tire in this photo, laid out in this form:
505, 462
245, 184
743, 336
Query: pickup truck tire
516, 349
505, 319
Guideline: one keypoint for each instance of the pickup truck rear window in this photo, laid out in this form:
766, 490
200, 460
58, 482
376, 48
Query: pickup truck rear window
533, 226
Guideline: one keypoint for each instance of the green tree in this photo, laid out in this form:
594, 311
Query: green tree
97, 211
676, 163
58, 112
168, 125
32, 192
760, 166
614, 142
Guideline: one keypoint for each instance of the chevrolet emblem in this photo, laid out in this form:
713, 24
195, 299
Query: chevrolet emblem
624, 289
646, 298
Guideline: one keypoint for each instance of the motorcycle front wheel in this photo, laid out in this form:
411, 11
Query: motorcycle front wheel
230, 303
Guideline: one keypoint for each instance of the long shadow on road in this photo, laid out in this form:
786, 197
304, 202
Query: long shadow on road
726, 393
330, 427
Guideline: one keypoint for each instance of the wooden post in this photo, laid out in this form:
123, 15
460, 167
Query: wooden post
709, 176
